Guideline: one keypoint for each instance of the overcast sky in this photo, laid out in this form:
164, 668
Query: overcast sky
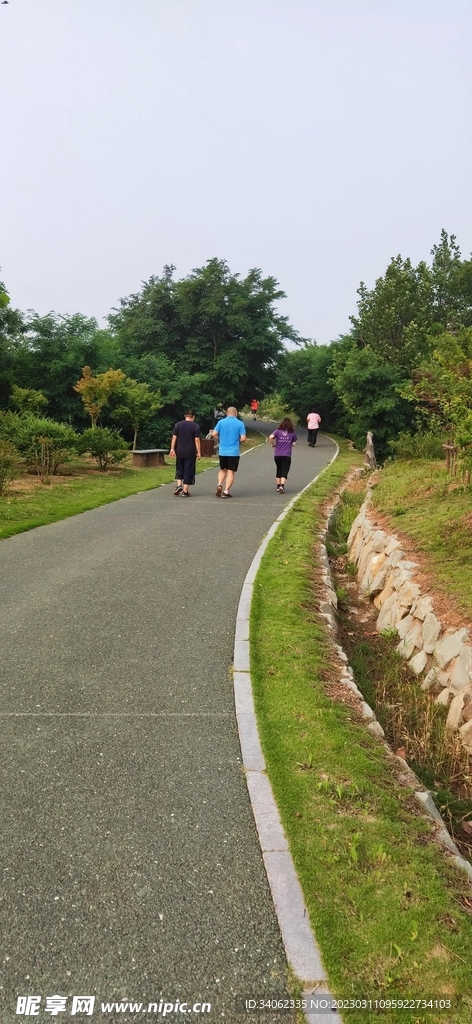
314, 139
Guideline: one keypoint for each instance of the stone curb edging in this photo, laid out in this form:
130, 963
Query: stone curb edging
301, 948
327, 607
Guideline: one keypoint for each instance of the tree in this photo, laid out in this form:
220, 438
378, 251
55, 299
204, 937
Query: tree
11, 330
43, 443
95, 391
369, 391
136, 404
451, 285
28, 399
50, 354
304, 382
104, 445
395, 316
443, 384
212, 328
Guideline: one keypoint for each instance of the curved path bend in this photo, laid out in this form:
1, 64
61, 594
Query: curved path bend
130, 861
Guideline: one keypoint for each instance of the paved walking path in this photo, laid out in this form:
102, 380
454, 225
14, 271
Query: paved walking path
130, 863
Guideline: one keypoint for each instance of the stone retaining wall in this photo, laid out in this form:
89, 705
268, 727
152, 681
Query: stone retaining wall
388, 579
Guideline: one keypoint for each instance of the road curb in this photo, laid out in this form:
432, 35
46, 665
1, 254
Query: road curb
301, 948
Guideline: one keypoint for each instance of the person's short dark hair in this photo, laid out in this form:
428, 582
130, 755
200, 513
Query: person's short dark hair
190, 412
287, 425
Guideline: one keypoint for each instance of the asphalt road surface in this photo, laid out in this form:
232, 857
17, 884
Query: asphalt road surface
130, 861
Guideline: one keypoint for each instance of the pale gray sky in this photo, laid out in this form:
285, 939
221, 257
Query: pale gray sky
312, 138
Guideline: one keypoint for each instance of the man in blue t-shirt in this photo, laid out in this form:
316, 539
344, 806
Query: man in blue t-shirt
230, 432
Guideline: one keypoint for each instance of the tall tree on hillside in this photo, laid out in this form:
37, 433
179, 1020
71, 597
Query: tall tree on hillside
11, 329
212, 323
395, 316
50, 358
451, 279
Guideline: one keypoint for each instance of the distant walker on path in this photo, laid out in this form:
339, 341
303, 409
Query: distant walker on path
313, 422
186, 446
230, 432
283, 440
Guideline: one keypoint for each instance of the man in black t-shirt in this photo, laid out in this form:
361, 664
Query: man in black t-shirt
186, 446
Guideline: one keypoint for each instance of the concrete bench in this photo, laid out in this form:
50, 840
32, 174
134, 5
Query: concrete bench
145, 457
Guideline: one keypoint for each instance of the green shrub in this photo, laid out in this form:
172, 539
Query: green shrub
105, 445
427, 445
44, 444
8, 464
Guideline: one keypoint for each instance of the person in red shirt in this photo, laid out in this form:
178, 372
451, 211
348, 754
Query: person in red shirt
254, 408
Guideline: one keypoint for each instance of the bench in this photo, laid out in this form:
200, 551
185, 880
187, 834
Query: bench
145, 457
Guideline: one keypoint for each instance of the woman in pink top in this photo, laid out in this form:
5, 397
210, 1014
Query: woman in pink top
313, 422
283, 440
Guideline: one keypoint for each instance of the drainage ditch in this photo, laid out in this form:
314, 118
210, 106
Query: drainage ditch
414, 725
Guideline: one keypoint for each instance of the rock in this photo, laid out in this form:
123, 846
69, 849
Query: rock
444, 697
364, 559
431, 630
461, 675
408, 644
402, 575
418, 662
329, 619
455, 711
330, 594
367, 710
376, 729
356, 547
393, 545
466, 735
435, 680
408, 593
372, 570
381, 597
379, 541
326, 608
421, 608
448, 648
404, 626
467, 712
356, 527
378, 581
429, 805
390, 614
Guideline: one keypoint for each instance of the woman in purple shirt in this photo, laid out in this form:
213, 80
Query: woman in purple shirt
283, 440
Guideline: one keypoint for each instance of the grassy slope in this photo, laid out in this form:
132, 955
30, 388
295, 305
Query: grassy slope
58, 500
384, 902
430, 506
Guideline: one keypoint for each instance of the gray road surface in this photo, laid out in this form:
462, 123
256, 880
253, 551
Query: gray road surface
130, 862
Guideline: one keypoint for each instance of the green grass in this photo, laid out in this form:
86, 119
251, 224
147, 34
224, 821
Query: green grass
79, 493
386, 906
435, 510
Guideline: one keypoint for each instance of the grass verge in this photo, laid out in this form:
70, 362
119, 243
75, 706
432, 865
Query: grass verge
423, 501
387, 908
79, 492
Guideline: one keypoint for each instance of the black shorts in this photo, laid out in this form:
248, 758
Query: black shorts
185, 470
229, 462
282, 465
